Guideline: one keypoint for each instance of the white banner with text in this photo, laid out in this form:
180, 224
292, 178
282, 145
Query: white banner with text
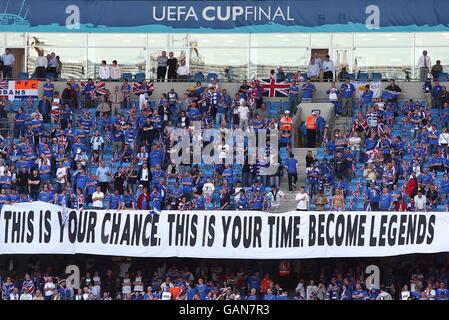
39, 228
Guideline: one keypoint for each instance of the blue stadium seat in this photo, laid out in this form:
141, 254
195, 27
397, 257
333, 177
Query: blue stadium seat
351, 76
443, 77
50, 75
211, 76
24, 76
127, 76
199, 76
34, 76
363, 76
376, 76
139, 77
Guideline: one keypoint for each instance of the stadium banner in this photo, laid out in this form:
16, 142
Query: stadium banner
234, 16
41, 228
376, 87
19, 89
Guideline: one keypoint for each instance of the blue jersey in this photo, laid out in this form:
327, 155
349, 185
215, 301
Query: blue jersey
243, 202
201, 290
45, 196
113, 200
373, 195
292, 165
347, 90
128, 200
385, 201
156, 201
50, 92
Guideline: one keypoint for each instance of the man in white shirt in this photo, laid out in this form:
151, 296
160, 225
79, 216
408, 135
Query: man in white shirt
104, 72
313, 71
97, 199
49, 288
14, 295
243, 112
424, 63
8, 61
420, 202
41, 65
116, 73
61, 175
183, 71
26, 295
303, 200
328, 67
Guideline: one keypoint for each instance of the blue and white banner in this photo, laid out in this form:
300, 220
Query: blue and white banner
41, 228
233, 16
374, 86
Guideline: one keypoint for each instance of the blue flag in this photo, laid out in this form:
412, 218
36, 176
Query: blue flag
387, 94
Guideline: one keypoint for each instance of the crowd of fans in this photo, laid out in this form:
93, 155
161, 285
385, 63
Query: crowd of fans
393, 158
133, 279
90, 147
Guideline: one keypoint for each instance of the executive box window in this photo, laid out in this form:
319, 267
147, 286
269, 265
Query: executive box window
391, 62
280, 40
57, 39
131, 60
73, 61
379, 40
208, 60
117, 40
219, 40
265, 59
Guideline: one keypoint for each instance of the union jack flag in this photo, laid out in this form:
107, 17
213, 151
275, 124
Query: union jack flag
4, 85
273, 88
138, 86
100, 87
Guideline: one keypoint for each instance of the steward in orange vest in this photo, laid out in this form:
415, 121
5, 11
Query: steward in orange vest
287, 122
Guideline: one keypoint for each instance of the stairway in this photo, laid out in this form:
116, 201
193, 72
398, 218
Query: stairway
290, 203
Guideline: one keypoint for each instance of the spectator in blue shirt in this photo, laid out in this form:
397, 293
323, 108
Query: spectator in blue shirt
308, 89
292, 171
385, 200
347, 91
436, 90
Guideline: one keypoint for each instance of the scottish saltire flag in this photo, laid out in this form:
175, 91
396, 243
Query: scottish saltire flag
155, 211
273, 88
387, 94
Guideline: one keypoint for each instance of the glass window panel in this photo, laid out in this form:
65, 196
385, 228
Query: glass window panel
73, 61
342, 40
291, 60
435, 54
207, 60
117, 40
179, 54
391, 62
57, 39
129, 60
179, 40
320, 40
280, 40
383, 39
431, 39
157, 40
15, 39
219, 40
